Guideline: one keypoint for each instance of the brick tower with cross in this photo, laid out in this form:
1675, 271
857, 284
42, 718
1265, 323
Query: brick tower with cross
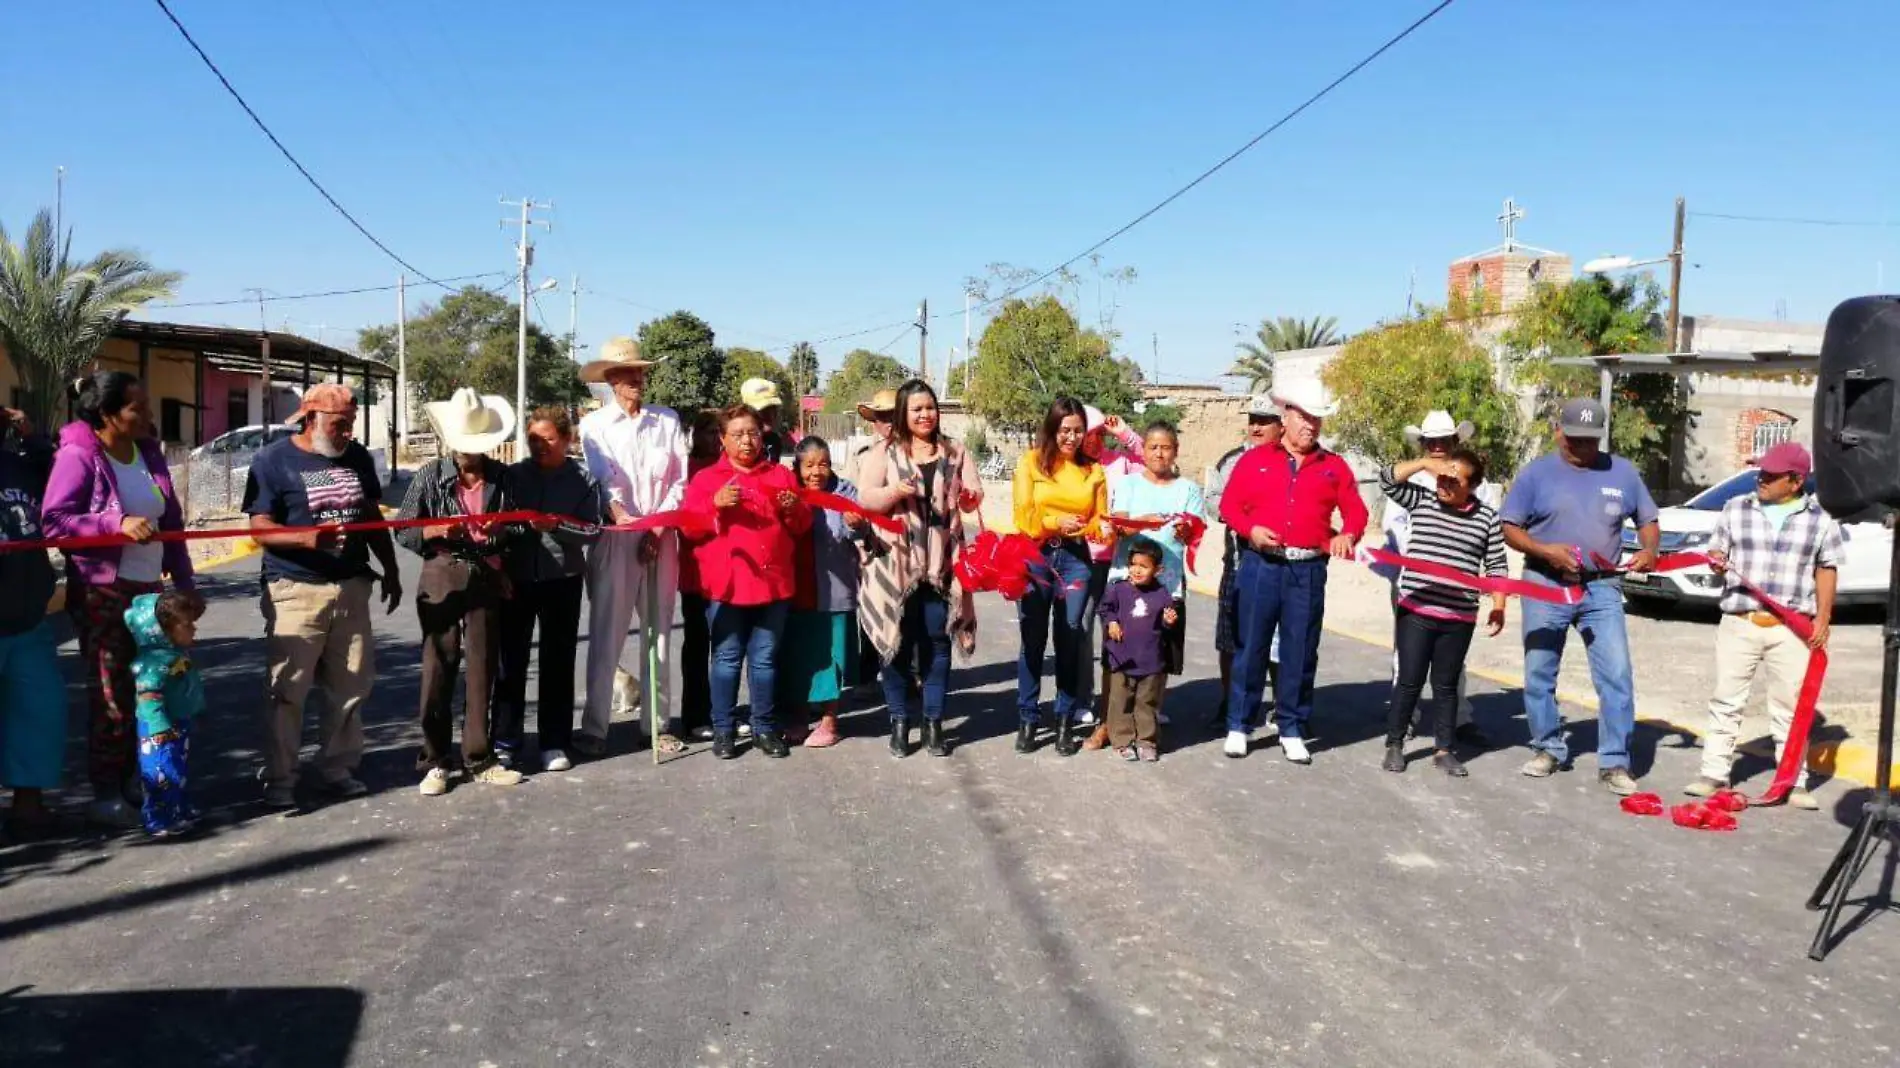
1501, 277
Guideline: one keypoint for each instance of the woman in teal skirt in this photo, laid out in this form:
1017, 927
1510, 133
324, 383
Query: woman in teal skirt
818, 660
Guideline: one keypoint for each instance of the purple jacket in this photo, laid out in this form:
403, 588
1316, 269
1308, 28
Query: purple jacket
82, 498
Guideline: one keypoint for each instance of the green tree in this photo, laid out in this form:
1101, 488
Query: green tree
1387, 378
691, 375
1254, 360
862, 373
1034, 351
55, 315
1597, 316
742, 364
1167, 414
471, 339
802, 365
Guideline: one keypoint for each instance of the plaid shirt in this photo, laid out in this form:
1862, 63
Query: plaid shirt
1782, 563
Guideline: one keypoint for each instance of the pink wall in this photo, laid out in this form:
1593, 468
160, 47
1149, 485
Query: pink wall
219, 385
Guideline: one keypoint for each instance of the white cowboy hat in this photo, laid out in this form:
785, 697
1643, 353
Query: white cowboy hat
469, 422
1309, 395
1438, 424
759, 394
617, 352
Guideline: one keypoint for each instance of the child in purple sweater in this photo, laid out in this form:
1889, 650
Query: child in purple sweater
1137, 611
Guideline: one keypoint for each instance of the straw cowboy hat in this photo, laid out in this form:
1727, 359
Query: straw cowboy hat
759, 394
1438, 424
470, 422
883, 402
1310, 396
617, 352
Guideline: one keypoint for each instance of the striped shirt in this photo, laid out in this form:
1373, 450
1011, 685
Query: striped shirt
1470, 540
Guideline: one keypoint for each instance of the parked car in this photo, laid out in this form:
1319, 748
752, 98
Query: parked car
1689, 526
234, 449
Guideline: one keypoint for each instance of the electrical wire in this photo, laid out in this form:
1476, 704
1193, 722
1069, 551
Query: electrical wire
1871, 224
325, 293
885, 349
287, 154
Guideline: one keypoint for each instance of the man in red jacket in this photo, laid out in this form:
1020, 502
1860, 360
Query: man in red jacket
1279, 504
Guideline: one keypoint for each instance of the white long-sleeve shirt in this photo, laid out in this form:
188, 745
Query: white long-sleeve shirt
639, 460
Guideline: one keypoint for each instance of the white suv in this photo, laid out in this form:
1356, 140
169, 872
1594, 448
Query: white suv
1689, 526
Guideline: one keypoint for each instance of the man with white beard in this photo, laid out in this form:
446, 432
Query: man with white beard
317, 589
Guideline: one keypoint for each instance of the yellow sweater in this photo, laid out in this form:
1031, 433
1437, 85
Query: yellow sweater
1043, 501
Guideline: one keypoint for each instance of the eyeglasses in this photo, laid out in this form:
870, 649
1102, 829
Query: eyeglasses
745, 435
1770, 476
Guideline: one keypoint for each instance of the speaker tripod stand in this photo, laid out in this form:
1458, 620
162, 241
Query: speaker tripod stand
1881, 816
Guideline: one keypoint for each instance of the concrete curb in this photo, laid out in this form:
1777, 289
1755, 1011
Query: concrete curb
1851, 760
245, 547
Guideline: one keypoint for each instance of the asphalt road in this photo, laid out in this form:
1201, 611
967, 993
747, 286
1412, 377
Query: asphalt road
844, 908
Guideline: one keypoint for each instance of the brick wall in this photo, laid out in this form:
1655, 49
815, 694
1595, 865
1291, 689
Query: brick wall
1742, 441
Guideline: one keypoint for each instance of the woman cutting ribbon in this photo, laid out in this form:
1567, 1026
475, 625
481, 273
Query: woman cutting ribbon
1060, 496
911, 601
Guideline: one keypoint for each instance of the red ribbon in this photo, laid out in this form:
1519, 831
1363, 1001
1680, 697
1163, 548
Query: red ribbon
1643, 804
1197, 527
689, 523
1001, 563
101, 541
1535, 591
1702, 816
835, 502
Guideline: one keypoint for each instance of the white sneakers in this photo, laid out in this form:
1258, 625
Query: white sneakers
436, 783
1295, 750
1087, 718
1236, 746
555, 760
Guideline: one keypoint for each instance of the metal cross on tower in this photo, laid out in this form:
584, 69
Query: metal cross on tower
1508, 219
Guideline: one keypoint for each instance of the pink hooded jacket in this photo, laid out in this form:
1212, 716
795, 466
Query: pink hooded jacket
82, 498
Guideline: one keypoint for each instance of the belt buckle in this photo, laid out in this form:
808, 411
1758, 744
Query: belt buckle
1764, 620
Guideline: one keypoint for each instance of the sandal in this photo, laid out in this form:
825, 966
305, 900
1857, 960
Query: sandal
1097, 739
669, 743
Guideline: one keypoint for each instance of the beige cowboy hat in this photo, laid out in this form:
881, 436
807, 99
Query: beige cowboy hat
1438, 424
1308, 395
883, 402
470, 422
617, 352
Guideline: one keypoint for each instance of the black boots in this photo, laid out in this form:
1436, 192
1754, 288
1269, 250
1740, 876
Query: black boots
900, 737
772, 744
933, 738
724, 747
1066, 745
1026, 738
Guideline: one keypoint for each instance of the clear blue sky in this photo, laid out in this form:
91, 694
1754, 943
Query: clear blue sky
790, 171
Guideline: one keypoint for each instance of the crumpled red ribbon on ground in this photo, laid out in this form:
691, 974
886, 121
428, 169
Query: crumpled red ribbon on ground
1702, 816
1644, 804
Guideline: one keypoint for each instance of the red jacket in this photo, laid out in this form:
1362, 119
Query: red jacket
749, 560
1264, 491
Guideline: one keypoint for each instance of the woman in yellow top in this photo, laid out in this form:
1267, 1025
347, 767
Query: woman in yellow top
1061, 498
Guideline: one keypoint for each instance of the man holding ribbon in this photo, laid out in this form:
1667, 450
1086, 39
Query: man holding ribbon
317, 588
1281, 501
1566, 513
637, 453
1780, 542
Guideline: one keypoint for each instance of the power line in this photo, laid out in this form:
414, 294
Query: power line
294, 162
1871, 224
885, 349
1197, 180
325, 293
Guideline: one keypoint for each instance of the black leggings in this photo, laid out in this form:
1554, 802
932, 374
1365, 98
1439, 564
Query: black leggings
1434, 647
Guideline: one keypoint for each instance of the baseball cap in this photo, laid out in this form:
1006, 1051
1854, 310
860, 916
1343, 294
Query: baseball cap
1260, 406
1786, 458
1582, 418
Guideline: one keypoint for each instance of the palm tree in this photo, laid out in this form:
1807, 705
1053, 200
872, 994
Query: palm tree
1285, 334
55, 315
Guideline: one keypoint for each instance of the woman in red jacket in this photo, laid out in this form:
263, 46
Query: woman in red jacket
746, 573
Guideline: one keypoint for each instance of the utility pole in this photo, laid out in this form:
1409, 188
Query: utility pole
574, 320
59, 209
402, 364
263, 335
1675, 280
1154, 355
524, 259
923, 340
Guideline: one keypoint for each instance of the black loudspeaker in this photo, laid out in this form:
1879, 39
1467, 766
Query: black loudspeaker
1857, 408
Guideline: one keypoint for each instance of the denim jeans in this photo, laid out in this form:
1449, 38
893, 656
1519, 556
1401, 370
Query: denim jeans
924, 650
1599, 618
745, 636
1275, 599
1063, 590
